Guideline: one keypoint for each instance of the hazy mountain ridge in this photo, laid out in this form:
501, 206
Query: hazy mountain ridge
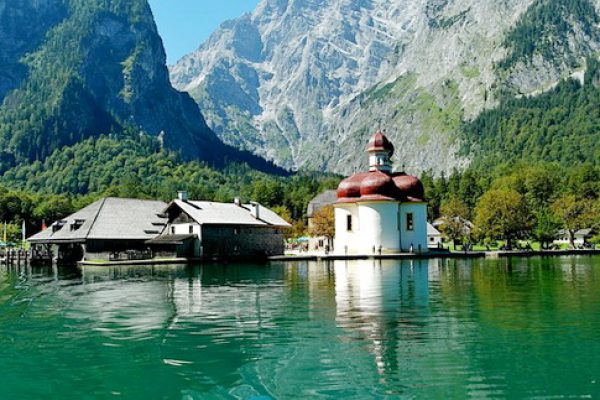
305, 82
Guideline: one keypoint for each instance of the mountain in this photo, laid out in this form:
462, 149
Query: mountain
306, 82
73, 69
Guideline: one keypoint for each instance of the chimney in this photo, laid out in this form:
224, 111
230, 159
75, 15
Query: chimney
255, 209
182, 195
237, 201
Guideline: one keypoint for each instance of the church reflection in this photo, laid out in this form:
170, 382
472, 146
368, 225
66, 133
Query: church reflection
387, 301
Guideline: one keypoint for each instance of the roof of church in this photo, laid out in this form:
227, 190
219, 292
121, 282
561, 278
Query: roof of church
380, 185
380, 142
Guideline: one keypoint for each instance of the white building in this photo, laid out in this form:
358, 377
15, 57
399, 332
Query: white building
219, 230
434, 237
380, 211
581, 237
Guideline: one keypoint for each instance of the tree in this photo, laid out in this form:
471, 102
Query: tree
502, 214
284, 213
539, 184
596, 215
455, 217
574, 214
267, 192
13, 233
298, 229
546, 227
323, 224
51, 208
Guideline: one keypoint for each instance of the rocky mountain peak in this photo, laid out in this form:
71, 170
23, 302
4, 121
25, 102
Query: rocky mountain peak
305, 82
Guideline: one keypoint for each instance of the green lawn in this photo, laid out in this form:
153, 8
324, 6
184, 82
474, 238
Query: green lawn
495, 247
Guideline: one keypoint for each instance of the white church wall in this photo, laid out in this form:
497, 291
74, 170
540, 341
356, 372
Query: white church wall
378, 227
346, 240
418, 235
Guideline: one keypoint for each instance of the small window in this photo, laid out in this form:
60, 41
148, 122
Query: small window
348, 222
410, 223
172, 230
191, 229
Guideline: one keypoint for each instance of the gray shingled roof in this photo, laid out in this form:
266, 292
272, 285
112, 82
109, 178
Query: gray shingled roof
324, 199
209, 213
108, 218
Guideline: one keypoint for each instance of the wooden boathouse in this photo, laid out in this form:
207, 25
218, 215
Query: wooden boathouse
109, 229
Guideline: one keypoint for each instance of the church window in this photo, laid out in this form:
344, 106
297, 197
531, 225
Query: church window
349, 222
410, 223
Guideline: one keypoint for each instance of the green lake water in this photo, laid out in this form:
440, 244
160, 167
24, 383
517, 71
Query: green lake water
438, 329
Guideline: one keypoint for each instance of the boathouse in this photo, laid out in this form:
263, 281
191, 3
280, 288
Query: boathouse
204, 229
380, 211
108, 229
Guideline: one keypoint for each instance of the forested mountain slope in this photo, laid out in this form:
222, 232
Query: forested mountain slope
72, 69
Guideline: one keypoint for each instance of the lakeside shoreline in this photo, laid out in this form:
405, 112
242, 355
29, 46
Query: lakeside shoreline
336, 257
435, 255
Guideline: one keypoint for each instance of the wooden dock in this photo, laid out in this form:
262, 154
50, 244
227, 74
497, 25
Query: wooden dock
14, 257
21, 257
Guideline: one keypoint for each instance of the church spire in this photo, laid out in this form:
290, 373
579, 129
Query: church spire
380, 151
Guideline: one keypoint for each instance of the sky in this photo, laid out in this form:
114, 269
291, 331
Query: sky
185, 24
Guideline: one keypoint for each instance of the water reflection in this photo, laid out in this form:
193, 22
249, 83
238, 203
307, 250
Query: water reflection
361, 329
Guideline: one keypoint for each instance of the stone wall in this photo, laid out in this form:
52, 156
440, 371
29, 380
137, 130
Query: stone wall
240, 241
102, 249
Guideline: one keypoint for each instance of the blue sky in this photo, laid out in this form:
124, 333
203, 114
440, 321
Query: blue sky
185, 24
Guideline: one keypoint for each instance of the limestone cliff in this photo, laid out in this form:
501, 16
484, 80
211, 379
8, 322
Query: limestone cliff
305, 83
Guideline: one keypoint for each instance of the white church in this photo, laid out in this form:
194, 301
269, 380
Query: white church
380, 211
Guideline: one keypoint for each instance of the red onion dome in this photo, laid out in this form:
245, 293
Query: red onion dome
378, 185
410, 186
350, 187
380, 142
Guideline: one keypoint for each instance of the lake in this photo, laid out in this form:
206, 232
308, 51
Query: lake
507, 328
